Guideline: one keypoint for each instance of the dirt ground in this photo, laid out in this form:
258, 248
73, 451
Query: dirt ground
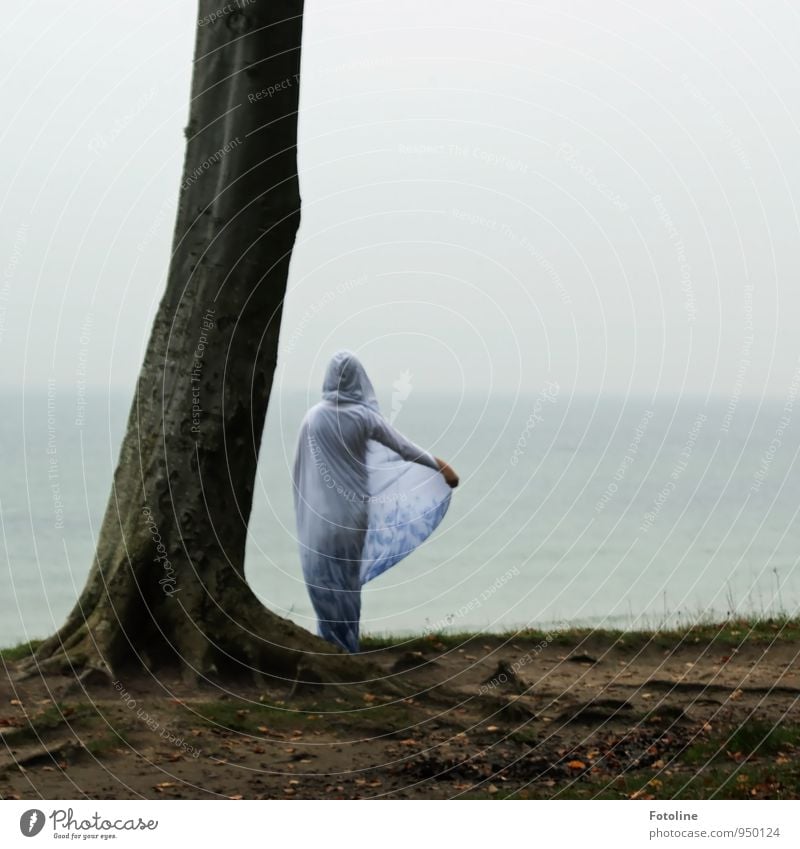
542, 716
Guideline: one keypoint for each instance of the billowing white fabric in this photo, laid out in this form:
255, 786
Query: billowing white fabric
365, 497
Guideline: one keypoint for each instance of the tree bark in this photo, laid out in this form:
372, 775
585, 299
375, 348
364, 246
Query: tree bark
167, 585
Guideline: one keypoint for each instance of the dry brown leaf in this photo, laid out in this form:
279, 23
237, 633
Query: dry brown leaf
640, 794
163, 785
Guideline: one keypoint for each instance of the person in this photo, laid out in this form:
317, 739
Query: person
365, 497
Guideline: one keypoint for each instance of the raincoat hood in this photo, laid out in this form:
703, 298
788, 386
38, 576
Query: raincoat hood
346, 382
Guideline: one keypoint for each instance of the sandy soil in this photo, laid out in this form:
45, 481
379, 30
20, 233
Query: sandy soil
489, 717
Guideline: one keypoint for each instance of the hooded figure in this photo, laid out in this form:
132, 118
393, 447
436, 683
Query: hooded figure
365, 497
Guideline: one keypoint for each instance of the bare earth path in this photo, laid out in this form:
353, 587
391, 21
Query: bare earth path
538, 716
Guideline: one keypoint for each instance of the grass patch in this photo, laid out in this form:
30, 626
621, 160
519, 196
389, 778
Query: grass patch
353, 717
754, 738
435, 641
52, 718
106, 742
20, 651
729, 633
244, 716
729, 781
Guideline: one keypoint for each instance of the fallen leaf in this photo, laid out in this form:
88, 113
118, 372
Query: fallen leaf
640, 794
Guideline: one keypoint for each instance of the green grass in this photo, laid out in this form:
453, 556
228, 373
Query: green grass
353, 716
756, 760
729, 633
20, 651
106, 742
50, 719
754, 738
729, 781
724, 781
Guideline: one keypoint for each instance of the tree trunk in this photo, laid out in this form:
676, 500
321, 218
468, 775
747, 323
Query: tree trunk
167, 585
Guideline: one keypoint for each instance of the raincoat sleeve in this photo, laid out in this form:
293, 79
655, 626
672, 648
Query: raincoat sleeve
381, 431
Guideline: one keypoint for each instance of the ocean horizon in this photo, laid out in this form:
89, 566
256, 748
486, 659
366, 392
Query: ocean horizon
607, 512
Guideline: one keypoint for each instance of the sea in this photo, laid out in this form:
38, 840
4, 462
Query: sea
625, 512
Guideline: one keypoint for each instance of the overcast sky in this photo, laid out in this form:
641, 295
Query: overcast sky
496, 194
